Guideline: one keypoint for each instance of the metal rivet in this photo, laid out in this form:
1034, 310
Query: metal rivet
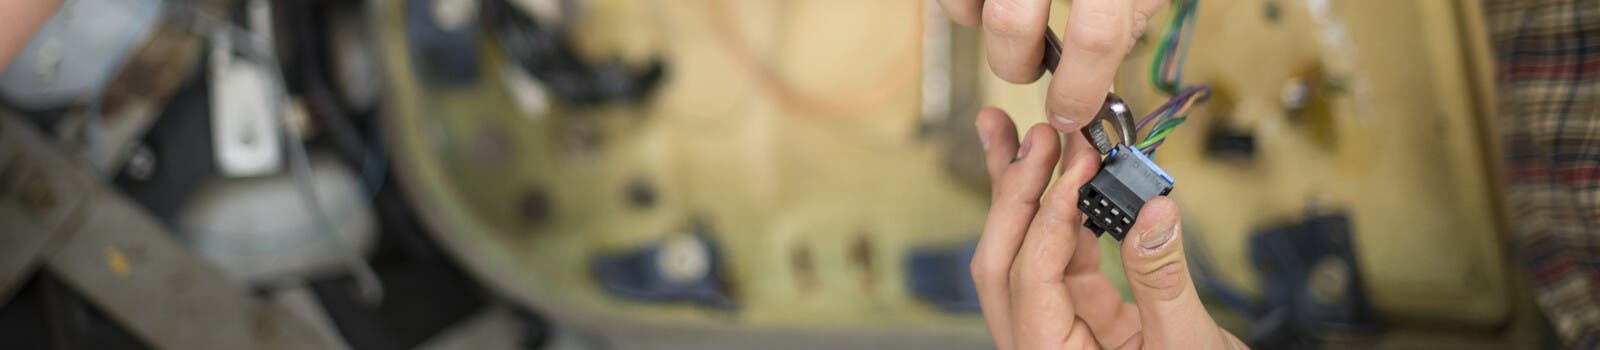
1329, 281
141, 165
535, 206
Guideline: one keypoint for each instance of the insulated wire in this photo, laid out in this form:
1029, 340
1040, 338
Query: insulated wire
1161, 65
1171, 118
1166, 71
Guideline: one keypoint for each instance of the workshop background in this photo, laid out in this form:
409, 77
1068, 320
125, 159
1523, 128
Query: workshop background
717, 174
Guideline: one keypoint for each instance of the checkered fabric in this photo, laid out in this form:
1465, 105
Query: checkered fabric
1548, 56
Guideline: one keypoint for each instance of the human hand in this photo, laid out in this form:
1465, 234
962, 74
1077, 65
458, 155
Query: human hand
1037, 270
1098, 34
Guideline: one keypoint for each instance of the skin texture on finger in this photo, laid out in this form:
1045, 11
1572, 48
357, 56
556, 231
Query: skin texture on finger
1013, 36
1098, 303
19, 20
1036, 167
1040, 299
1015, 201
963, 12
1169, 308
1093, 44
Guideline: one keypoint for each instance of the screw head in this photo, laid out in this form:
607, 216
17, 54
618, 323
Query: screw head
1329, 281
141, 164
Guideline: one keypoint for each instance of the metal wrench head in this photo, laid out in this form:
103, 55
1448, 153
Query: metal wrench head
1116, 112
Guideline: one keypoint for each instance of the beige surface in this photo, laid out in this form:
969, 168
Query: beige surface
1399, 147
792, 128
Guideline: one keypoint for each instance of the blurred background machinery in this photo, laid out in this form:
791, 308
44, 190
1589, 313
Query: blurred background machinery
596, 174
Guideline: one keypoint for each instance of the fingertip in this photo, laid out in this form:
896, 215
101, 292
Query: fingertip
998, 135
1044, 138
1158, 274
1155, 227
1070, 107
992, 116
1079, 161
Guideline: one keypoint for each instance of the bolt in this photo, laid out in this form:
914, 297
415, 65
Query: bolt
683, 259
141, 165
1329, 281
641, 194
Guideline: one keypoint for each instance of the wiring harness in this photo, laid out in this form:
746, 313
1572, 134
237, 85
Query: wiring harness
1166, 72
1128, 178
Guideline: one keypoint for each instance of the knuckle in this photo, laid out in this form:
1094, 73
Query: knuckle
980, 271
1012, 195
1031, 275
1073, 105
1097, 31
985, 270
1004, 66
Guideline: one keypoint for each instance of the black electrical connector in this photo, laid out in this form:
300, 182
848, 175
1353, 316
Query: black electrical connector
1112, 199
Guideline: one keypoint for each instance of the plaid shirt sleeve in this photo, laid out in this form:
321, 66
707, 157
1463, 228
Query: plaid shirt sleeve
1548, 84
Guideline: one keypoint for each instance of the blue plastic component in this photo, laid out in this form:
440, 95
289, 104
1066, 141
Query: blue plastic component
445, 56
1139, 154
942, 276
635, 275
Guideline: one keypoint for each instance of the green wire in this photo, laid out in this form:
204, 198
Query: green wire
1171, 34
1176, 29
1161, 131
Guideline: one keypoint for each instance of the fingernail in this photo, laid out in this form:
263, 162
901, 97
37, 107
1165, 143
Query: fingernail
984, 139
1026, 145
1157, 236
1064, 124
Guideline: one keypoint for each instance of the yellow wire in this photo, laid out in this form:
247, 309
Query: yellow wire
1190, 103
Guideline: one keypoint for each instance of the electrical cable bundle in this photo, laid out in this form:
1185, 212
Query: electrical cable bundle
1166, 71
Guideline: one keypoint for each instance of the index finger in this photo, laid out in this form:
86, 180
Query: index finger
1097, 35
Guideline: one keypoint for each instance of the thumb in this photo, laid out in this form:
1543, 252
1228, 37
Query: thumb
1158, 274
